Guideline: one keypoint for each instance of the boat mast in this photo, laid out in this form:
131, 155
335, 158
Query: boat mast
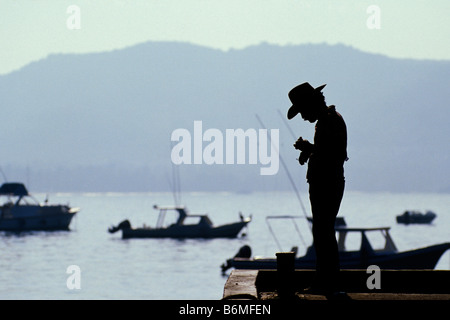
176, 184
176, 189
3, 174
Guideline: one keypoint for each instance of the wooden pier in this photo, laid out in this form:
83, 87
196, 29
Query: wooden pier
395, 285
372, 284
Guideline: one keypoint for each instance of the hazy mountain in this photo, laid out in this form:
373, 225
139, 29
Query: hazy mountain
103, 121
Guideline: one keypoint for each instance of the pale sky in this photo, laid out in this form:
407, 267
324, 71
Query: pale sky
30, 30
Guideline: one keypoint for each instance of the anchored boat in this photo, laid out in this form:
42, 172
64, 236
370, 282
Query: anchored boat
416, 217
387, 257
203, 228
22, 212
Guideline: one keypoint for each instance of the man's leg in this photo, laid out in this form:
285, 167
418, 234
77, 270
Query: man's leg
325, 201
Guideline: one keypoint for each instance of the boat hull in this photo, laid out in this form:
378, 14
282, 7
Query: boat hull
36, 218
423, 258
416, 218
186, 231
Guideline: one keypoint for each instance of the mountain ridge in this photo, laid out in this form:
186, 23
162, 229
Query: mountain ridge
64, 113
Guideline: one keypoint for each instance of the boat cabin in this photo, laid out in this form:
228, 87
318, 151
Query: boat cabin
384, 242
370, 240
183, 217
16, 190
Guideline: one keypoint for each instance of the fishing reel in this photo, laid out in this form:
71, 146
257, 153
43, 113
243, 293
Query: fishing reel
306, 149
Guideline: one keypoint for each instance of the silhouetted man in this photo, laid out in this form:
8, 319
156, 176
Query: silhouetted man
325, 176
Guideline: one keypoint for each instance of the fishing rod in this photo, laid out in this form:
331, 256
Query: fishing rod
288, 174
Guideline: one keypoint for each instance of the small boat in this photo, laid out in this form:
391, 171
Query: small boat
388, 257
416, 217
203, 228
18, 214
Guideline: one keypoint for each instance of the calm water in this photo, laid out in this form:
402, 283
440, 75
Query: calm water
33, 265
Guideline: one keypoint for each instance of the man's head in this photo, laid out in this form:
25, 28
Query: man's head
307, 101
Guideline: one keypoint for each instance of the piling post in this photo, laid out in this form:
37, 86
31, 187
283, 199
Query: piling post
285, 274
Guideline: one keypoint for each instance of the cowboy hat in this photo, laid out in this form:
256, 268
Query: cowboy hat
299, 96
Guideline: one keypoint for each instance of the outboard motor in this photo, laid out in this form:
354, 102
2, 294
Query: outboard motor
125, 224
244, 252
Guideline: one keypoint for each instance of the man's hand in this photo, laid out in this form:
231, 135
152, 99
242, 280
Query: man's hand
304, 156
303, 145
